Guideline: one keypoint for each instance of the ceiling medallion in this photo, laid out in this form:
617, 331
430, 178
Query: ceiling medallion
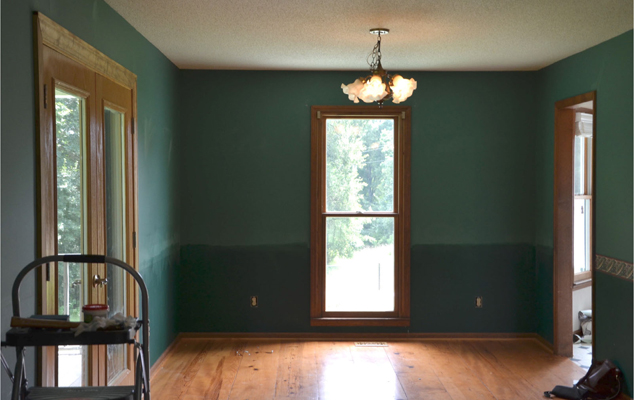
379, 85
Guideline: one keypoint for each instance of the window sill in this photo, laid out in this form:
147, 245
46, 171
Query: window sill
359, 321
581, 284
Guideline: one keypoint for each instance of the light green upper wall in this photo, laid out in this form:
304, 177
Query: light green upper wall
246, 164
157, 83
606, 68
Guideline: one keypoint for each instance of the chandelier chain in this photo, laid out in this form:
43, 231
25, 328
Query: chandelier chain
374, 58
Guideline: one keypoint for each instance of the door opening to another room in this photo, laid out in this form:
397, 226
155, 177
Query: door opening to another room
575, 128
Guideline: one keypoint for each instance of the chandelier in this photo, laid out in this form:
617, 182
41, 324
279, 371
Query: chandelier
379, 85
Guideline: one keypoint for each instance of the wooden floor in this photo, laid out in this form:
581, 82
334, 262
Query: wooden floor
253, 369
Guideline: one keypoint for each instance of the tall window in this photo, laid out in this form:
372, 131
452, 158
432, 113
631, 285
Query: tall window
360, 216
583, 196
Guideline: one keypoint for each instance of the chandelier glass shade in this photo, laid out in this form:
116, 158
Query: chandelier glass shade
379, 85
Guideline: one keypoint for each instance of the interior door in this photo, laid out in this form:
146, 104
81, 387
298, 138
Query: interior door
87, 176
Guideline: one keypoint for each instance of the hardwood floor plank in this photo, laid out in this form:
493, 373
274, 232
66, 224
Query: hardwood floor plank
537, 371
173, 380
217, 371
334, 366
374, 373
296, 372
412, 365
500, 382
256, 376
453, 372
562, 367
518, 367
346, 372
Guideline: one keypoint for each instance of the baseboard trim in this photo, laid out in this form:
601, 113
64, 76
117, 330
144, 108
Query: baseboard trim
161, 360
545, 343
351, 336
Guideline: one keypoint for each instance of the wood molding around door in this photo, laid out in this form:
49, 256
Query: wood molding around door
563, 274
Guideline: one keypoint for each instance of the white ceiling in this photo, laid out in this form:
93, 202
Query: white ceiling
448, 35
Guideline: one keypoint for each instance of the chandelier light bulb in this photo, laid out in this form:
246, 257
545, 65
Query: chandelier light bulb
379, 86
353, 90
373, 90
402, 88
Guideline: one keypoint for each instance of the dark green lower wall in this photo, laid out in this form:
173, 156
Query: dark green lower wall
215, 284
544, 295
445, 280
613, 313
159, 273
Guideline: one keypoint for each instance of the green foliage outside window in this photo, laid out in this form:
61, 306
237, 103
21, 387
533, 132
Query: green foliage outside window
359, 177
69, 200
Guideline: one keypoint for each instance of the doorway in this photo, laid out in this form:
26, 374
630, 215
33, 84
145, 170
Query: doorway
574, 254
86, 198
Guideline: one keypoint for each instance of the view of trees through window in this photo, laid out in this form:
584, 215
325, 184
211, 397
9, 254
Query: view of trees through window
360, 250
68, 123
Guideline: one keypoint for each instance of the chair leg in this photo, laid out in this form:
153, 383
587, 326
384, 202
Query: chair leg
18, 377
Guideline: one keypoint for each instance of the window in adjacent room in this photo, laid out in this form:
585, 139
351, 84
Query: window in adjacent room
582, 260
360, 216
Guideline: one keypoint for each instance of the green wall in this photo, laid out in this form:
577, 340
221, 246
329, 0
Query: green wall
95, 22
606, 68
246, 182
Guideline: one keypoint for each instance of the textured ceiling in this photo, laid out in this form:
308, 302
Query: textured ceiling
463, 35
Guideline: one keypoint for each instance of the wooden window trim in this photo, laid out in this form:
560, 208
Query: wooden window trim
401, 315
582, 284
47, 33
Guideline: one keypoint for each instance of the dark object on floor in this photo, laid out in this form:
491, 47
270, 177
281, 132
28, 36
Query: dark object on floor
570, 393
602, 382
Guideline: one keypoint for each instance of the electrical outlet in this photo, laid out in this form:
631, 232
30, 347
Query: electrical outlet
479, 302
254, 301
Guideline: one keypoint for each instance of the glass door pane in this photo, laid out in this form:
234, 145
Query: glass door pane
70, 128
116, 235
